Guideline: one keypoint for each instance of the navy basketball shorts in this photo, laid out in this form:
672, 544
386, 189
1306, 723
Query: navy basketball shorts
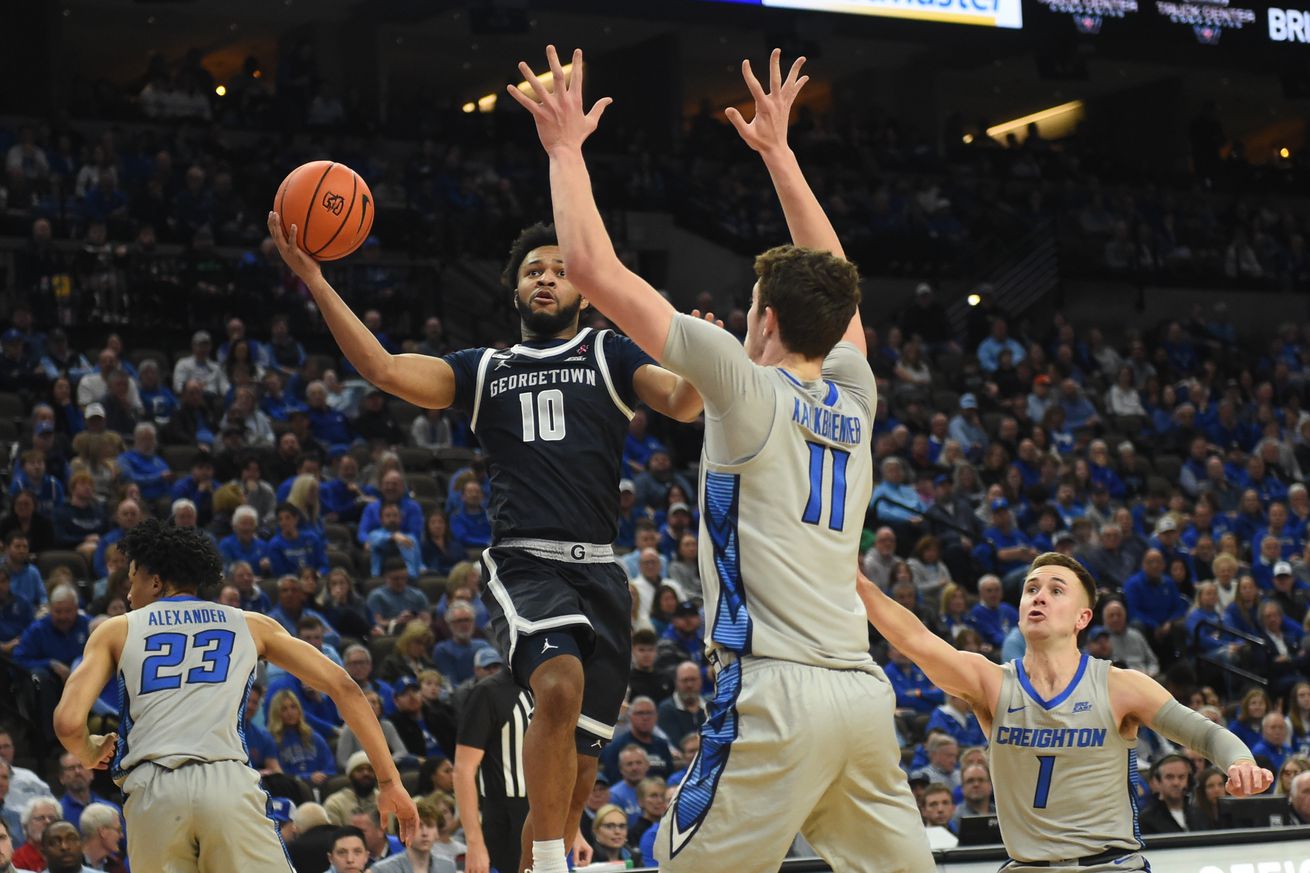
549, 598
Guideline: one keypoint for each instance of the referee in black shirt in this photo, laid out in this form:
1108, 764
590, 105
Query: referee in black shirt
489, 772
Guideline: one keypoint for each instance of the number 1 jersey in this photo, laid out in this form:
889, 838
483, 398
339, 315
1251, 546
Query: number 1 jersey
184, 676
552, 417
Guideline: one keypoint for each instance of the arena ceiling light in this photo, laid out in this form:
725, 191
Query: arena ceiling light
487, 102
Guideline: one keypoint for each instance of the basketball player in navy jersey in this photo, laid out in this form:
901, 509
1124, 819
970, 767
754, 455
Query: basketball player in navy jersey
551, 413
1062, 725
184, 668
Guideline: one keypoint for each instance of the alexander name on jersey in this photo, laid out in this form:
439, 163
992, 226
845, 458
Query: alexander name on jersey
196, 615
826, 423
541, 378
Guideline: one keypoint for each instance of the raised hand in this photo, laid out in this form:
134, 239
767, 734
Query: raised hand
768, 129
561, 121
285, 239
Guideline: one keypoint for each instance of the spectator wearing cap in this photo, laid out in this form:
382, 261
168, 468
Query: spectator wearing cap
967, 430
1040, 399
999, 340
1099, 645
1289, 593
141, 464
598, 798
629, 515
361, 795
678, 522
200, 366
486, 663
455, 657
926, 319
1005, 550
683, 640
420, 741
1167, 540
653, 485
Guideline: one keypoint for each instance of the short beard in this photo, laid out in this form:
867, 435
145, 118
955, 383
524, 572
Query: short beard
546, 324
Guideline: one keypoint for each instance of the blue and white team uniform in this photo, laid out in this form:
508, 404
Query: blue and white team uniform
552, 416
194, 803
1063, 775
800, 735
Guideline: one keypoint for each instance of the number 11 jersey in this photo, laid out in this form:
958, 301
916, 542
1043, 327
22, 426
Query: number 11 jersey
552, 417
184, 675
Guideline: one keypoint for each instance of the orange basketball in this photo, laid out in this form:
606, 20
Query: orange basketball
329, 204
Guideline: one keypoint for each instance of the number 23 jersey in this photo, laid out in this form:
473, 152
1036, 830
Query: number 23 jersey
552, 417
184, 675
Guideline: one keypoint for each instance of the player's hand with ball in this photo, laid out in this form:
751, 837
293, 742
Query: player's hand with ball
285, 239
1247, 779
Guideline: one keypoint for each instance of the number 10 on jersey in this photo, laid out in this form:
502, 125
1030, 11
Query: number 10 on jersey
835, 490
544, 416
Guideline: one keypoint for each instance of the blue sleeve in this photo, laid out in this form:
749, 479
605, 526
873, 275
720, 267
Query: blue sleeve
647, 847
320, 555
938, 721
933, 695
465, 365
370, 519
625, 358
31, 651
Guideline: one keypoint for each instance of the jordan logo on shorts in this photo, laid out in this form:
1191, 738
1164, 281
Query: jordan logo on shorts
546, 648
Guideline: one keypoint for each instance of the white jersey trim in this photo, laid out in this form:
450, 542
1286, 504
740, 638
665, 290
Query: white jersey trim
517, 623
527, 351
604, 367
477, 391
604, 731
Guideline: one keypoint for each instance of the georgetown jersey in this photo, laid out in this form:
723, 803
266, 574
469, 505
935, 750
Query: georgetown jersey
786, 475
1060, 770
552, 416
184, 675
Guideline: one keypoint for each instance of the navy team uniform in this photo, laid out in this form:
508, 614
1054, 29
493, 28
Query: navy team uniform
552, 416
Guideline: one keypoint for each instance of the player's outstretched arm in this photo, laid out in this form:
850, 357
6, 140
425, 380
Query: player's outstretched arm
313, 668
1138, 697
963, 674
421, 379
594, 268
467, 761
81, 691
766, 133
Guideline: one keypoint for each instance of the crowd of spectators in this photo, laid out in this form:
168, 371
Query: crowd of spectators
1168, 459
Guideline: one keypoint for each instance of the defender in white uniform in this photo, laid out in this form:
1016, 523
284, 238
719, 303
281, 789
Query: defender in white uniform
1061, 725
800, 736
184, 668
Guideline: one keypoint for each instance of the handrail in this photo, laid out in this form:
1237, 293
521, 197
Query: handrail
1231, 631
883, 498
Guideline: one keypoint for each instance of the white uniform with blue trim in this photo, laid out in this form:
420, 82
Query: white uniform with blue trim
193, 801
800, 736
1062, 775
